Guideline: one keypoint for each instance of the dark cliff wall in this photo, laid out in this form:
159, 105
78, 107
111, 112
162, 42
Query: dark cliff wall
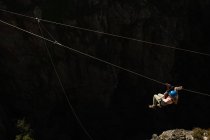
109, 101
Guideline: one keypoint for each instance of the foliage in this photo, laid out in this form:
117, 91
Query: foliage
25, 133
198, 133
208, 134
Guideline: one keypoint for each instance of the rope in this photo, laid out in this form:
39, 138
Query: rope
17, 14
90, 56
62, 87
197, 92
128, 38
171, 87
109, 34
82, 53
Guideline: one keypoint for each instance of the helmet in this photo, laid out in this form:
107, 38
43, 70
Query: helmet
172, 93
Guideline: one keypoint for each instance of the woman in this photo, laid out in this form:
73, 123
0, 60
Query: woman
168, 98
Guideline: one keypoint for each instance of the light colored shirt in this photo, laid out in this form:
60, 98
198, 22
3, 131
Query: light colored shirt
168, 100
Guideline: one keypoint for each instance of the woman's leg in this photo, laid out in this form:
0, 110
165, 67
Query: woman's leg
160, 95
156, 99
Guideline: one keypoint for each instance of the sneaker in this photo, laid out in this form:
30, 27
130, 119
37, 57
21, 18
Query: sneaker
159, 105
151, 106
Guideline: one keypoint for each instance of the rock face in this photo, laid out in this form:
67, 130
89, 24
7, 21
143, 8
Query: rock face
109, 101
177, 134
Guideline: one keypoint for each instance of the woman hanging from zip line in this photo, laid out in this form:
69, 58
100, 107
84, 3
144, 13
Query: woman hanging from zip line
168, 98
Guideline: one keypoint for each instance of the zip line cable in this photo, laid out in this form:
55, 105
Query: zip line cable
108, 34
82, 53
197, 92
128, 38
92, 57
62, 87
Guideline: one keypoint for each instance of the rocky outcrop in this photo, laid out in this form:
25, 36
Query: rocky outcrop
178, 134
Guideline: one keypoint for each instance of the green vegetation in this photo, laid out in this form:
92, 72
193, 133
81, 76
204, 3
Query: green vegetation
198, 133
25, 133
208, 134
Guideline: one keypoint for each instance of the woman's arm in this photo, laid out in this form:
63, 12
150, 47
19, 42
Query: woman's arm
168, 86
178, 88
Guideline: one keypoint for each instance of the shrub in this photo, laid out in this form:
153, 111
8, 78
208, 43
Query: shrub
198, 133
208, 134
25, 133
